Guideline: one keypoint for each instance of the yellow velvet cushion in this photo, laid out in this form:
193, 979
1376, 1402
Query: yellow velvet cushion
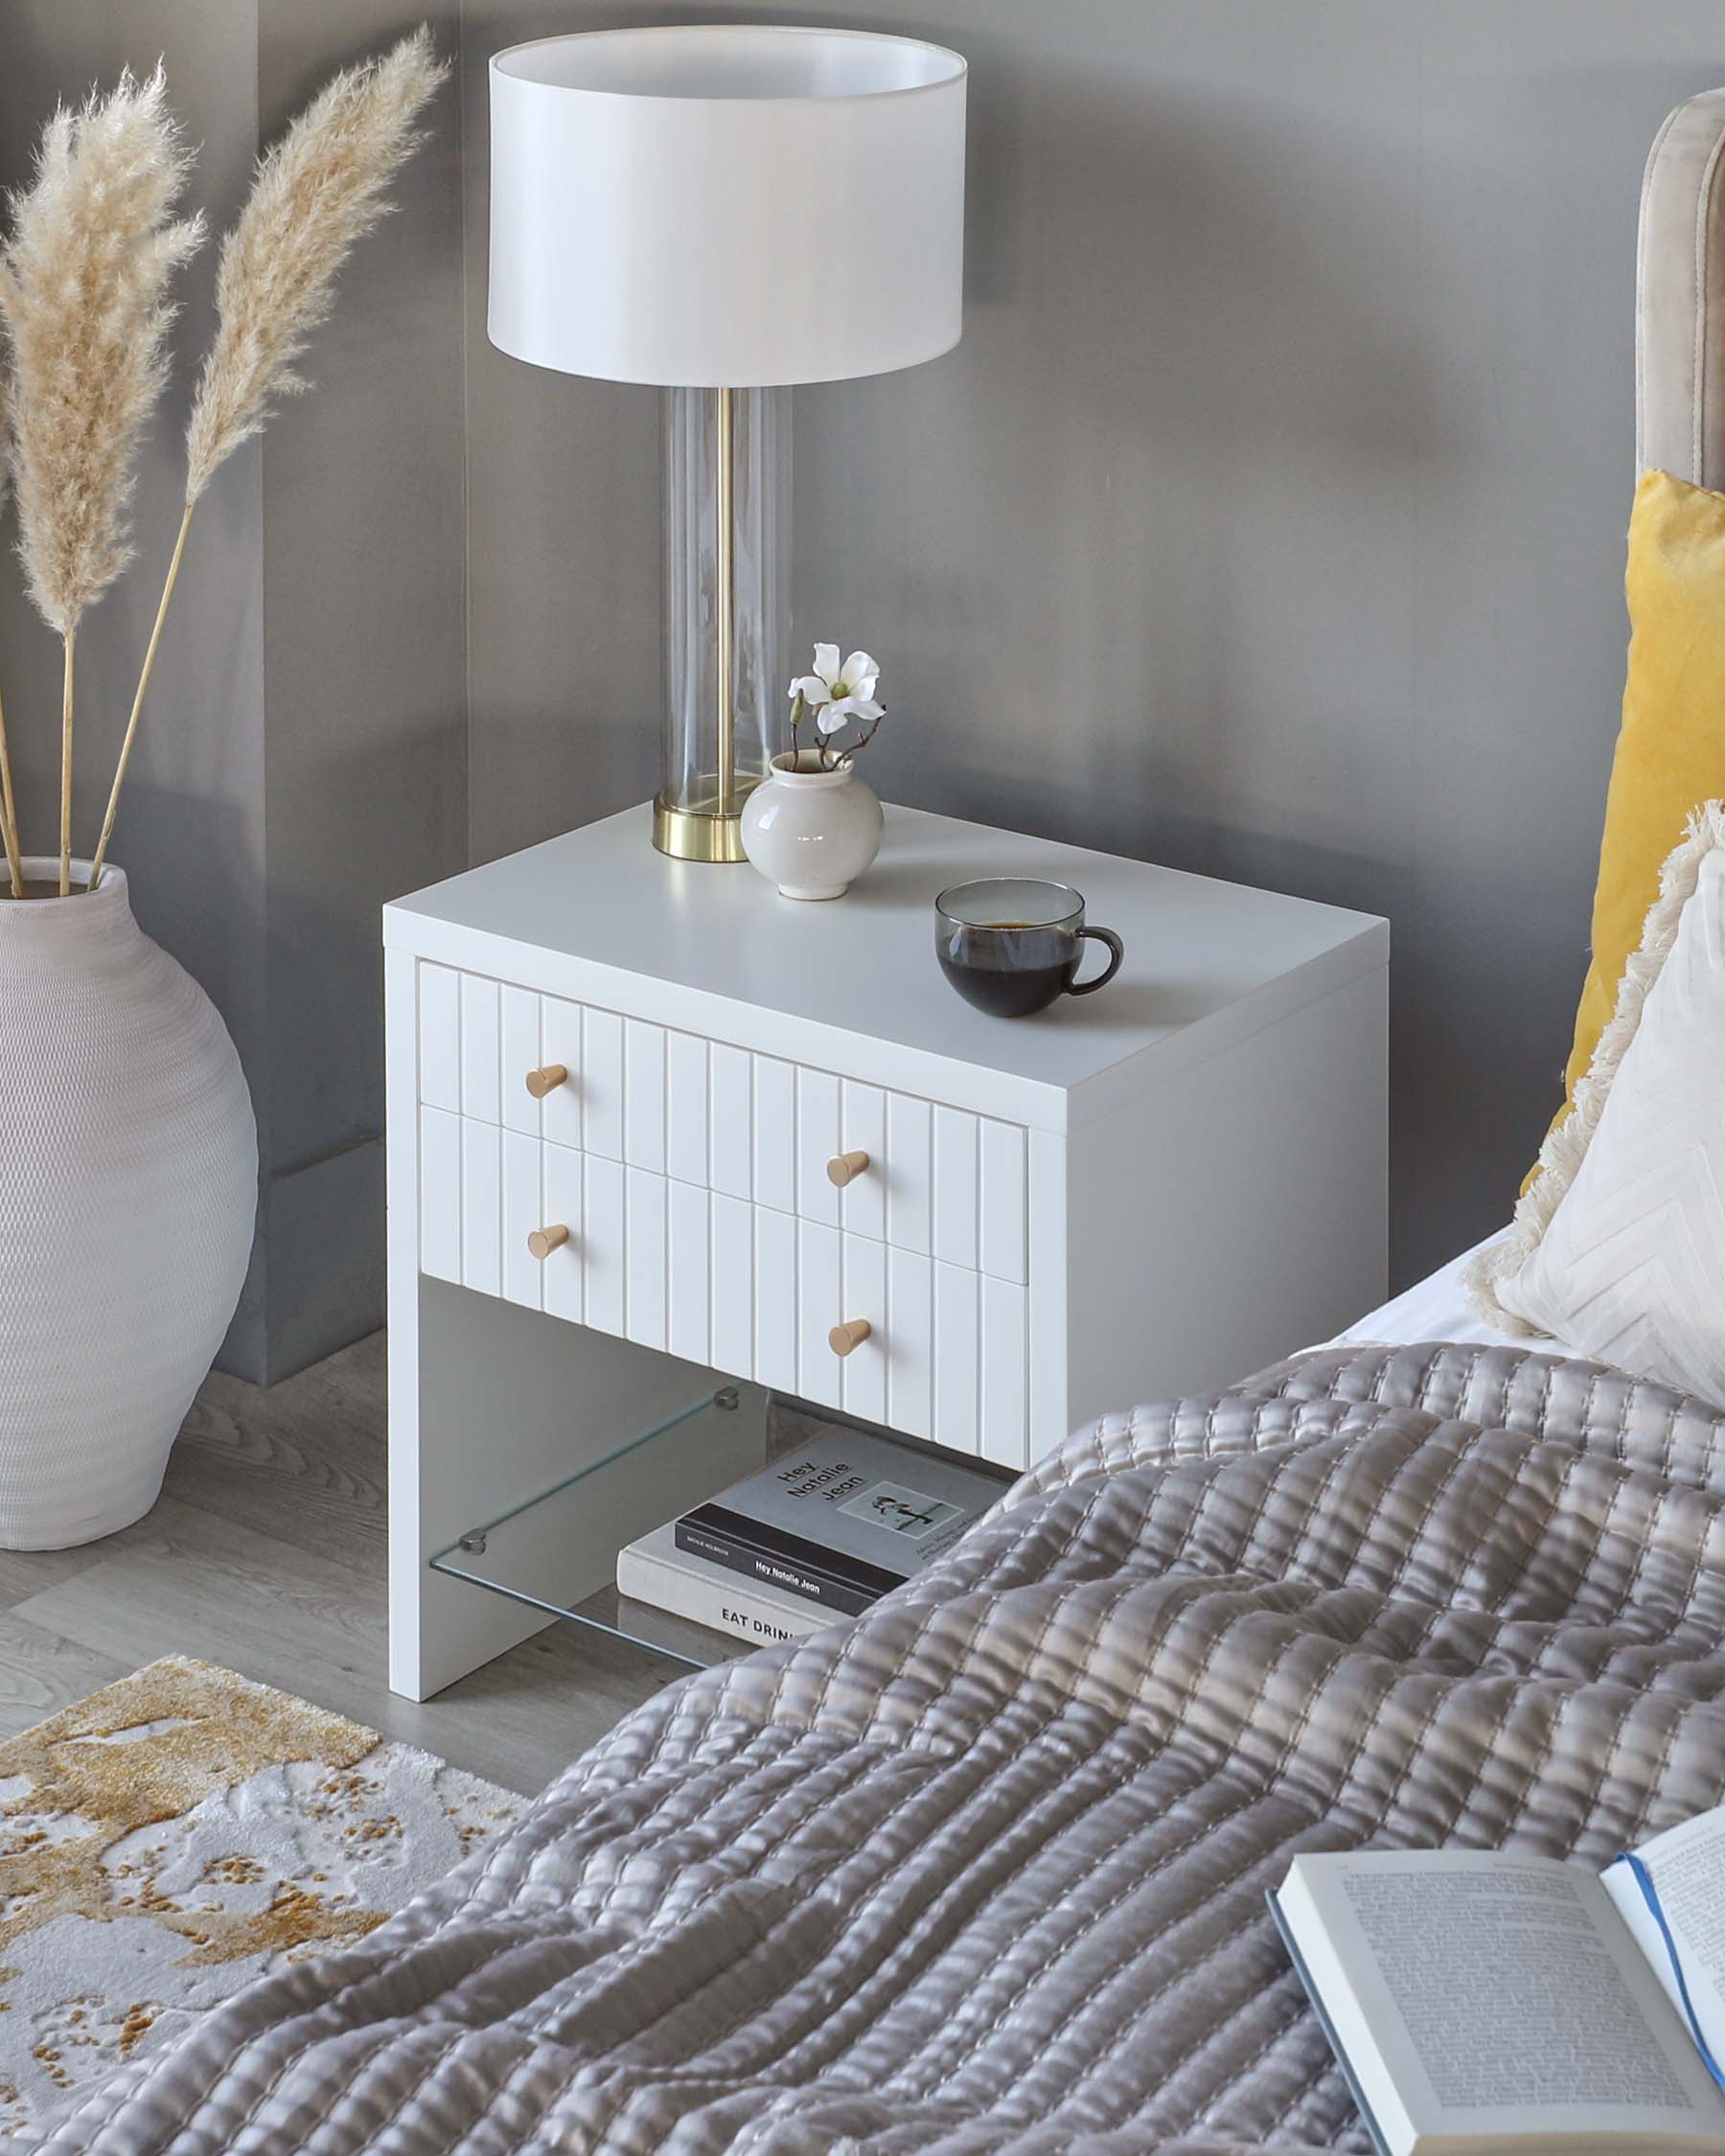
1671, 751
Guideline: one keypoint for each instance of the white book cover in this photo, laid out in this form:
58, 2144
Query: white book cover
654, 1569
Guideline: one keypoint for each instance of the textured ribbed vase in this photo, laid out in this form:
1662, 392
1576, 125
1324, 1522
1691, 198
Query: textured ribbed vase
129, 1188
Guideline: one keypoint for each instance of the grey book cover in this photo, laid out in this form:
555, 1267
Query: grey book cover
1321, 2015
857, 1512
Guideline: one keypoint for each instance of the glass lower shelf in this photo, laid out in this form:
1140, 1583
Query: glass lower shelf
555, 1550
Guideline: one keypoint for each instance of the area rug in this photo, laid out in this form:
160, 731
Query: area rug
182, 1831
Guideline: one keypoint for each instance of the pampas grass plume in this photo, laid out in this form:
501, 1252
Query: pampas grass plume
319, 189
83, 300
86, 311
316, 191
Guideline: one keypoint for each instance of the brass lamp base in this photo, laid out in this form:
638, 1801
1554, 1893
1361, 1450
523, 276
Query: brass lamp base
698, 834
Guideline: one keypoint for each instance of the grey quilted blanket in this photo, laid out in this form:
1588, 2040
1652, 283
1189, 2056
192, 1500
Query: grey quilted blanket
984, 1870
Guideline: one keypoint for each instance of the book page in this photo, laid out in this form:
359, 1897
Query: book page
1687, 1865
1503, 1996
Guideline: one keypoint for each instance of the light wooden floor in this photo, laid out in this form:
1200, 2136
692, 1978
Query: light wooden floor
266, 1554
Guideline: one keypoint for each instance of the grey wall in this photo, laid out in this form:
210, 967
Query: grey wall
364, 682
1268, 521
303, 755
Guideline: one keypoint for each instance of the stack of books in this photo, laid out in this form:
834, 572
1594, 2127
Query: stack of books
820, 1533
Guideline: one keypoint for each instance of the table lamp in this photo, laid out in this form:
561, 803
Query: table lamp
724, 211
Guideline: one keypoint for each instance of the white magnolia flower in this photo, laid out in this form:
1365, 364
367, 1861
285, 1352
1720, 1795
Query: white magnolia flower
835, 693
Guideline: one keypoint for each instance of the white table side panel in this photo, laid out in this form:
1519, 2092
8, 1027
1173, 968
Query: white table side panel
1273, 1164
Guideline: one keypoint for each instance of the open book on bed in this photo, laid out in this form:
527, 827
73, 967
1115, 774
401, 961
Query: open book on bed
1481, 2000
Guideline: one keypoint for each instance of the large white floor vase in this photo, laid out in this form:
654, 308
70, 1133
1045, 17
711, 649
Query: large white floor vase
129, 1188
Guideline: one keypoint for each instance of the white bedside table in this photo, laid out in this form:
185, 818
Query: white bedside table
1155, 1190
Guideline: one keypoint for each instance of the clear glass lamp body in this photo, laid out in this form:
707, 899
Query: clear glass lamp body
727, 611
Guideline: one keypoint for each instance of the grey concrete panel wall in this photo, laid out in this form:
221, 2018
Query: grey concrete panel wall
303, 755
364, 670
192, 833
1268, 521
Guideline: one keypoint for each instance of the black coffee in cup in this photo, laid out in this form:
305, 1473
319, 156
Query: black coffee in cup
1011, 944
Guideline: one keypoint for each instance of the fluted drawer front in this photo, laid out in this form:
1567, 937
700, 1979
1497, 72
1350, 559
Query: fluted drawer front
747, 1288
940, 1181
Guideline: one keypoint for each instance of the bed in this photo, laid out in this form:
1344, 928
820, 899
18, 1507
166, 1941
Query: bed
1435, 1308
982, 1870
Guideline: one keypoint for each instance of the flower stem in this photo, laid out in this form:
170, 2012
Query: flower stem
65, 827
8, 814
131, 725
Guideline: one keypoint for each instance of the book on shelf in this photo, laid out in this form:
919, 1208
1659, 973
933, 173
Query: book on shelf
652, 1569
1481, 2000
842, 1519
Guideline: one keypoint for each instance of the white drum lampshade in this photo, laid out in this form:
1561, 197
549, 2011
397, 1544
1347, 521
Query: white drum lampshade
713, 209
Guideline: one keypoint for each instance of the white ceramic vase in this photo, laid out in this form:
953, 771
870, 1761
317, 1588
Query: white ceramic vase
129, 1187
812, 831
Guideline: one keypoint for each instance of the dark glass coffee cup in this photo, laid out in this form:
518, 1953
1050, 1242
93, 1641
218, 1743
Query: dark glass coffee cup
1011, 944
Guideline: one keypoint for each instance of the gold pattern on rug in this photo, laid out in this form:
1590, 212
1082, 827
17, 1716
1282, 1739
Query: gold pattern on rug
181, 1831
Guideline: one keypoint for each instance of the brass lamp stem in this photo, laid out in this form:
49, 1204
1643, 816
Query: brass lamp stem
696, 815
726, 601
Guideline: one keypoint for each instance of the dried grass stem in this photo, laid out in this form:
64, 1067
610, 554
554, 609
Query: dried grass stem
65, 822
137, 706
9, 813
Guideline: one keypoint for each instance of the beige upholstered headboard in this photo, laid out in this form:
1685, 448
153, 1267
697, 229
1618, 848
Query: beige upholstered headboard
1680, 298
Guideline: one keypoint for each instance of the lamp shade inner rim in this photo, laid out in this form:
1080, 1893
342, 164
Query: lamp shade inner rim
763, 62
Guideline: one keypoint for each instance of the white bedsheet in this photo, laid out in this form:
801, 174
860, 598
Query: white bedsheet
1434, 1308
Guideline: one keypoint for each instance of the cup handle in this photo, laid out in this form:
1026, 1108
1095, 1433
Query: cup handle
1117, 952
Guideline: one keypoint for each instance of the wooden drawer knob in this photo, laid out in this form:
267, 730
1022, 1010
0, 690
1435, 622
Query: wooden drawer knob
544, 1240
846, 1167
843, 1339
540, 1083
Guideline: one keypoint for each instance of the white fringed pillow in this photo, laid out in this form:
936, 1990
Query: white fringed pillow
1618, 1247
